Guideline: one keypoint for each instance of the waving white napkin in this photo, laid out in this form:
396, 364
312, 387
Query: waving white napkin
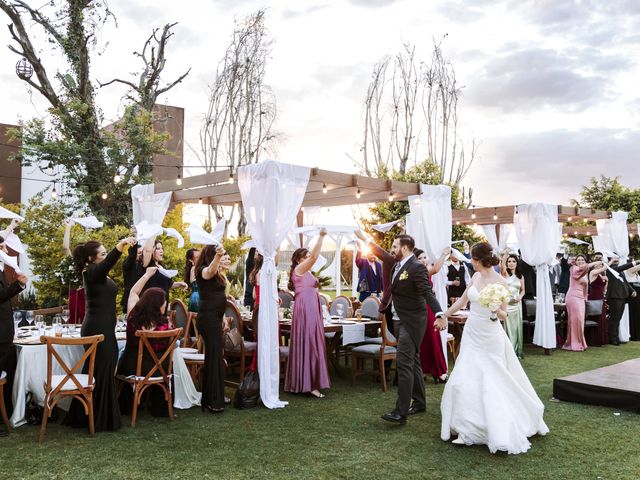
385, 227
172, 232
88, 222
4, 213
576, 241
248, 244
456, 253
11, 261
146, 230
167, 273
14, 243
201, 236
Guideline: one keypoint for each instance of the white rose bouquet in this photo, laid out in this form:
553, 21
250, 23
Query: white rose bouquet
492, 296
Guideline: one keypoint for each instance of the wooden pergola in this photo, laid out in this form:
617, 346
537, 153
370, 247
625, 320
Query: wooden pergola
325, 189
579, 218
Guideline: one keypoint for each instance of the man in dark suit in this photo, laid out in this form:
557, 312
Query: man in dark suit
618, 291
410, 295
7, 350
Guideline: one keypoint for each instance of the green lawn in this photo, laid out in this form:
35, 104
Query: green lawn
342, 436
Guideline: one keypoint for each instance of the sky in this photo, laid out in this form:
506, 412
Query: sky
550, 86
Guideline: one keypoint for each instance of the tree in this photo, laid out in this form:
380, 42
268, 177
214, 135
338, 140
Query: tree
421, 120
238, 125
383, 212
606, 193
72, 141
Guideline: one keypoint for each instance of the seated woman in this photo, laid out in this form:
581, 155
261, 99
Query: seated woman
147, 312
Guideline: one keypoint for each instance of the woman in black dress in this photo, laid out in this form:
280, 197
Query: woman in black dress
93, 263
212, 305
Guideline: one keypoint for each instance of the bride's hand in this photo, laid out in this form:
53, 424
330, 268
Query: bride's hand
440, 323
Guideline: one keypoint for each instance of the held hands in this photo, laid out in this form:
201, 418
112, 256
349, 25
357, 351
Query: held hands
181, 285
440, 323
68, 222
456, 283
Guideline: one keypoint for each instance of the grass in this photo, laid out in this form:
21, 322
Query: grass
341, 436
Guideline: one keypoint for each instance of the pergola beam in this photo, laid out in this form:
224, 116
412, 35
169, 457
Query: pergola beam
504, 214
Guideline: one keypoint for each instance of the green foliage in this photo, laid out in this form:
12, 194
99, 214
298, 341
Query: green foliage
606, 193
427, 173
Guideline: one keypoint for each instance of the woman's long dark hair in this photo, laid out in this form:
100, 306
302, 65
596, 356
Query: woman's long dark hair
188, 264
517, 273
81, 255
146, 313
297, 256
253, 276
207, 254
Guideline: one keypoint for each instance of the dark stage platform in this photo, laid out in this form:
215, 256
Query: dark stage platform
616, 386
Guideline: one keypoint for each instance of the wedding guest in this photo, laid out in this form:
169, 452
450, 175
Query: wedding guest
369, 275
254, 280
634, 302
597, 287
146, 312
516, 285
153, 256
457, 278
432, 356
8, 290
529, 274
211, 308
576, 304
189, 277
93, 264
618, 291
130, 273
307, 366
566, 262
248, 288
76, 300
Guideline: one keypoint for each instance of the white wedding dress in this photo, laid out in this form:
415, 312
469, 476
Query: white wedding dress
488, 399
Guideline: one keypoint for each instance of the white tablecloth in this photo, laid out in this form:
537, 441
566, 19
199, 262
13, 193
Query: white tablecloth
31, 374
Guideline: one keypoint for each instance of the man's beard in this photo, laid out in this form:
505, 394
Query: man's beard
398, 256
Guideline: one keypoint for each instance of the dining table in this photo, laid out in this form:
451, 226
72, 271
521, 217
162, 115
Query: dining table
31, 371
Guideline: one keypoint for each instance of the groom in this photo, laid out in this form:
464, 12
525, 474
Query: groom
410, 295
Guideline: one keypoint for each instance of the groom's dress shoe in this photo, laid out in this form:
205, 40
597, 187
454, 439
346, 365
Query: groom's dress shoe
394, 417
413, 409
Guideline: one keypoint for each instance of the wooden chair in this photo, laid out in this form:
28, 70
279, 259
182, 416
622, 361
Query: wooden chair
345, 302
592, 316
3, 408
180, 318
162, 376
387, 350
244, 351
286, 298
325, 300
451, 342
194, 360
72, 383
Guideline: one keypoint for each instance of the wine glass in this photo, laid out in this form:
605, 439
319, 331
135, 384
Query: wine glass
40, 324
57, 325
340, 310
17, 318
30, 318
65, 315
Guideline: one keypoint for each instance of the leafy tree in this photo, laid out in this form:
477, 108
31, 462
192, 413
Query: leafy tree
72, 137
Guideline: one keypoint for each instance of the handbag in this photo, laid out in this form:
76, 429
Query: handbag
248, 392
232, 339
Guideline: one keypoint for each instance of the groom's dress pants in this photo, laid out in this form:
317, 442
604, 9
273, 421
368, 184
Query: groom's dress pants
410, 379
616, 310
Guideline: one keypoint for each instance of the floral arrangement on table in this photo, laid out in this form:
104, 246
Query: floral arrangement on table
493, 296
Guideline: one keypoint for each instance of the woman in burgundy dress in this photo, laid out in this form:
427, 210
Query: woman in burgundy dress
598, 287
432, 357
76, 300
307, 370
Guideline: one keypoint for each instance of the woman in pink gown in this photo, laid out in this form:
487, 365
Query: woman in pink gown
576, 303
432, 357
307, 370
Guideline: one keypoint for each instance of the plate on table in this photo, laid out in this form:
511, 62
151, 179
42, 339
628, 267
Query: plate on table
30, 340
29, 327
342, 322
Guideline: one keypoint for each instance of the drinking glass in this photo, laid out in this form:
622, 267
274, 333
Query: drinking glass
30, 318
65, 315
57, 325
17, 318
340, 310
40, 324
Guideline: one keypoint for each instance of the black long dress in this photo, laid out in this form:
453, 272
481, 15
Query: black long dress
634, 313
212, 305
100, 318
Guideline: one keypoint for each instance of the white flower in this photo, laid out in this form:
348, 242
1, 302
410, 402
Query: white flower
493, 295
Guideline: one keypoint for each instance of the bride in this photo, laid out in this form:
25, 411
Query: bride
488, 399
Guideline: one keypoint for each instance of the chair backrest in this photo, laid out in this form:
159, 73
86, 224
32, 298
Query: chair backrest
48, 311
345, 302
235, 315
594, 308
370, 308
180, 313
89, 343
171, 337
192, 322
286, 298
387, 337
530, 308
325, 300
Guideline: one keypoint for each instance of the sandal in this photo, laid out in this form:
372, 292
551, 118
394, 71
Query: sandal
315, 395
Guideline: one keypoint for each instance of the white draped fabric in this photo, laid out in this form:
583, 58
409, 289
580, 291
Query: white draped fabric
539, 236
272, 195
148, 205
497, 241
613, 236
431, 224
88, 222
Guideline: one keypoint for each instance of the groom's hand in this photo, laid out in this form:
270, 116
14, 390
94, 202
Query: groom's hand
440, 323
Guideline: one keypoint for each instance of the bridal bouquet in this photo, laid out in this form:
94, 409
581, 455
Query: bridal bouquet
492, 296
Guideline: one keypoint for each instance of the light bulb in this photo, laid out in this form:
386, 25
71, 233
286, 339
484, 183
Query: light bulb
358, 194
116, 178
200, 202
104, 196
569, 219
495, 217
391, 196
324, 188
54, 194
473, 216
179, 180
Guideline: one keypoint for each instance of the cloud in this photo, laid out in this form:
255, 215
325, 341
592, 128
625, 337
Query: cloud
373, 3
289, 13
460, 12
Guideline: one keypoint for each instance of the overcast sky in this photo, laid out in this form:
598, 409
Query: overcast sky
551, 86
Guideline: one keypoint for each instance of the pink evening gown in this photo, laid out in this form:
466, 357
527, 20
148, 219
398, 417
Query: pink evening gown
576, 305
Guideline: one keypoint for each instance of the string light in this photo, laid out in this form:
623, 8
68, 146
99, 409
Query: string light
231, 179
495, 214
324, 188
54, 193
458, 222
391, 196
473, 212
116, 178
569, 219
200, 201
105, 196
358, 194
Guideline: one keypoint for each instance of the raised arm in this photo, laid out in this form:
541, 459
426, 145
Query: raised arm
306, 265
101, 270
435, 267
211, 270
633, 270
147, 251
130, 262
66, 239
134, 294
377, 250
593, 274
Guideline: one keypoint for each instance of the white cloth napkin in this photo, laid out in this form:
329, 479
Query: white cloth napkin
146, 230
201, 236
4, 213
172, 232
352, 333
11, 261
14, 243
167, 273
385, 227
88, 222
